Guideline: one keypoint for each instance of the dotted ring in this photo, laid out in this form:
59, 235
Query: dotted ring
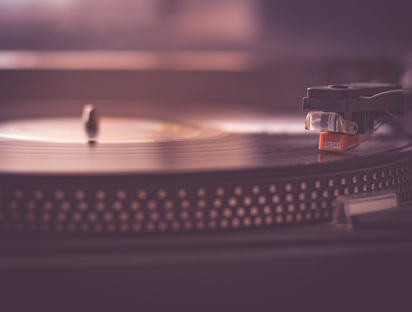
60, 206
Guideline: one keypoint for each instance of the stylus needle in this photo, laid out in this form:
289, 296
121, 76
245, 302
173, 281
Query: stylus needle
90, 121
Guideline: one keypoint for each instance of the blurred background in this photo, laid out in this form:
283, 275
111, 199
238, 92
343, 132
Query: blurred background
294, 27
258, 54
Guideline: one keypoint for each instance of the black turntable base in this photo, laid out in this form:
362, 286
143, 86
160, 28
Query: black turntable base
173, 211
315, 267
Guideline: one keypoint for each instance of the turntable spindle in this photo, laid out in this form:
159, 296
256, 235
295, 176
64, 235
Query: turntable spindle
91, 122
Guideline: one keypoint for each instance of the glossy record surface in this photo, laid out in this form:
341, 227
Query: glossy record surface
139, 144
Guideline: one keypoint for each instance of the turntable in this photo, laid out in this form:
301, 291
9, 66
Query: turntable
128, 175
155, 156
122, 196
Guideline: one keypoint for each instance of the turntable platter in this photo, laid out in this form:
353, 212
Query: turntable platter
156, 174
